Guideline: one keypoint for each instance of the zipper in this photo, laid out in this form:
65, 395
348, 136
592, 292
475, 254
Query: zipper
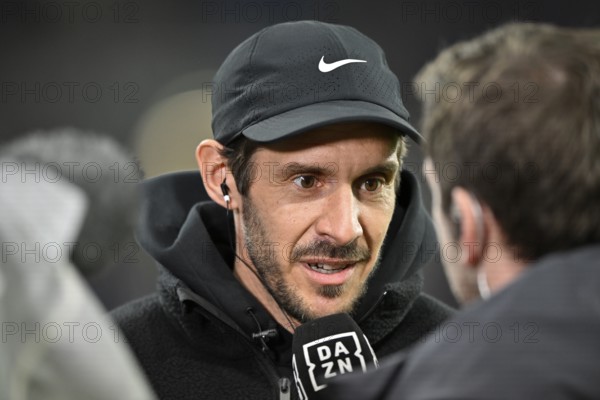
368, 313
283, 383
284, 389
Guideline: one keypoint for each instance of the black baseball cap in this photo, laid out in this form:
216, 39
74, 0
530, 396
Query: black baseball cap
297, 76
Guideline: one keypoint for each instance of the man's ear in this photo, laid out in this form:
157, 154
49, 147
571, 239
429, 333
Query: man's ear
213, 168
466, 215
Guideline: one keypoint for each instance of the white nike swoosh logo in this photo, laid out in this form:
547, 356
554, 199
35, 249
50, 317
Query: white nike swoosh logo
325, 67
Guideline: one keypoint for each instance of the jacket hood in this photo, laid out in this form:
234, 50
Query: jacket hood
187, 233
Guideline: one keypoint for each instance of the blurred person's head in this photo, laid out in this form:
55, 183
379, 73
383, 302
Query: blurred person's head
97, 166
516, 154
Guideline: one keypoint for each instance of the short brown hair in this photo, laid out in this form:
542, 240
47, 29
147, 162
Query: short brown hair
537, 133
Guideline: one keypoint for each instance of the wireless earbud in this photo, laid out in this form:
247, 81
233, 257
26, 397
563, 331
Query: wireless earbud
225, 190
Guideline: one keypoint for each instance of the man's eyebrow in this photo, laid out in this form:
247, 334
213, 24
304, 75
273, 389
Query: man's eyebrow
388, 168
294, 168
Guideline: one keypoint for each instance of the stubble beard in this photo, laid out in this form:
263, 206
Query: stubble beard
263, 255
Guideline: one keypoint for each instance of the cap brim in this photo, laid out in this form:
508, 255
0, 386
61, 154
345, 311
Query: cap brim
317, 115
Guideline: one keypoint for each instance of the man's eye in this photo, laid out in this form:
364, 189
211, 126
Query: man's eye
305, 181
372, 184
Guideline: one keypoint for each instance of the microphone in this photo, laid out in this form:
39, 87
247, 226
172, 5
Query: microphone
326, 348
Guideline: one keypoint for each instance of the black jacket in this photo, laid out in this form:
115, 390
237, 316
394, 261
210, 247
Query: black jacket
197, 337
538, 338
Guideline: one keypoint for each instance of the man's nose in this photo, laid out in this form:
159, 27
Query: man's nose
340, 218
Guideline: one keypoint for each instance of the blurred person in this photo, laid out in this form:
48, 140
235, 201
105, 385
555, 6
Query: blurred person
301, 210
527, 231
57, 341
101, 168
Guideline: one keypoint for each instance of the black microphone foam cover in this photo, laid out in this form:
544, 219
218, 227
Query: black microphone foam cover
326, 348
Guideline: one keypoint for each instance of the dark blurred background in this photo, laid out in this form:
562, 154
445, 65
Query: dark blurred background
138, 71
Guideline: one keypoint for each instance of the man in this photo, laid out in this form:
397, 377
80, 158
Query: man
526, 228
309, 134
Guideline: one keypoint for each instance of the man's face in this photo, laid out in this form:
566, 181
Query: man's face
315, 220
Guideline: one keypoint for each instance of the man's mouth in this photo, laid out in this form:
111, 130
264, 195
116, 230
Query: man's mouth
327, 272
328, 268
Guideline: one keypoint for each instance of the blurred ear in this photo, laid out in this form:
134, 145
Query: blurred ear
466, 213
213, 168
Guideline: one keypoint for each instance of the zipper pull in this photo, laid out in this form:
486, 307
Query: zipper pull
284, 389
368, 313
